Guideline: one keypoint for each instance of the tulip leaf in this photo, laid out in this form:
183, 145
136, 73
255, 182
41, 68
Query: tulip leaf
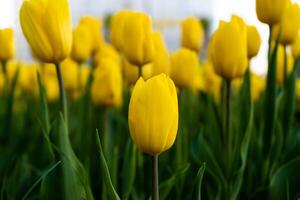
105, 172
285, 182
199, 179
44, 174
167, 185
129, 167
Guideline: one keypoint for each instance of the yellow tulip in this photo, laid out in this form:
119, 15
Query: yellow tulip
280, 64
95, 28
70, 72
7, 44
257, 86
117, 27
138, 46
85, 74
270, 11
161, 60
153, 114
47, 27
289, 24
106, 51
296, 47
51, 88
11, 69
82, 44
253, 41
185, 68
28, 79
131, 72
106, 89
228, 49
212, 82
192, 33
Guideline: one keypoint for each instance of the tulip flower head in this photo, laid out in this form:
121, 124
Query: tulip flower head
7, 44
228, 49
47, 27
82, 44
153, 114
253, 41
192, 33
270, 11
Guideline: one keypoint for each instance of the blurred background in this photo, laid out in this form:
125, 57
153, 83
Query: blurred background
166, 15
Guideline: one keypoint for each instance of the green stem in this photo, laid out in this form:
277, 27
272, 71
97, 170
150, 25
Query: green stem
270, 43
140, 71
228, 135
155, 190
62, 97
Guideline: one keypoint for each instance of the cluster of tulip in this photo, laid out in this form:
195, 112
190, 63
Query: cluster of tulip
75, 124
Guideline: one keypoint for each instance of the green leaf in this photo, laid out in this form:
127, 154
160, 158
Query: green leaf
105, 172
286, 181
44, 174
129, 167
166, 186
199, 179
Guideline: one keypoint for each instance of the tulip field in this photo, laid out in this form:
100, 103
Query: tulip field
124, 117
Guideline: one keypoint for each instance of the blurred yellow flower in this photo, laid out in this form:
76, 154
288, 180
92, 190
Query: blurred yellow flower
28, 79
95, 28
52, 89
192, 33
270, 11
106, 51
131, 72
138, 46
7, 44
185, 68
70, 72
117, 27
289, 24
212, 82
82, 44
106, 89
47, 27
228, 49
280, 64
253, 41
11, 69
257, 86
153, 114
296, 47
161, 59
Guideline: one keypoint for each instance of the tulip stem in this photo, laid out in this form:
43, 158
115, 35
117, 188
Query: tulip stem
155, 189
140, 71
62, 97
228, 135
270, 43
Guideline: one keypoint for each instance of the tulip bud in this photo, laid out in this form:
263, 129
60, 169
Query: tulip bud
82, 44
161, 60
228, 49
192, 33
257, 86
117, 27
47, 27
94, 25
106, 89
153, 114
7, 44
131, 72
289, 25
253, 41
280, 65
270, 11
185, 68
138, 46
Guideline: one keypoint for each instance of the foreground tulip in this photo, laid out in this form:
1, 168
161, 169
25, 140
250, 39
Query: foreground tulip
192, 33
153, 114
270, 11
184, 68
138, 47
117, 27
289, 24
47, 27
82, 44
228, 49
106, 89
94, 25
253, 41
7, 44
